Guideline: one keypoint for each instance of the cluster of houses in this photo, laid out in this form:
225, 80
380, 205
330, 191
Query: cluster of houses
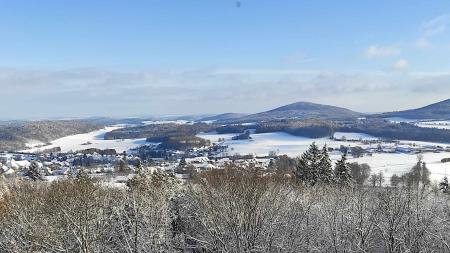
118, 168
54, 164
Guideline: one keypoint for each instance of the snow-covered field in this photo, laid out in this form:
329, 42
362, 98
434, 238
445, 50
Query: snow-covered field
283, 143
91, 140
398, 120
354, 136
434, 124
440, 124
279, 142
262, 144
398, 164
158, 122
33, 143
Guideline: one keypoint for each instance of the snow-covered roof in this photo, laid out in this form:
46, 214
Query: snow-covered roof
18, 164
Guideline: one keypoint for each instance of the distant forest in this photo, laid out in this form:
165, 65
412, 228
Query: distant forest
399, 131
306, 128
168, 133
14, 136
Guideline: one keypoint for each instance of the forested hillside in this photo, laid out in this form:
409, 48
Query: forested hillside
396, 131
440, 110
158, 132
303, 110
14, 135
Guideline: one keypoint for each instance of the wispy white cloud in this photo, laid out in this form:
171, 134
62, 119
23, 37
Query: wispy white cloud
435, 25
400, 65
298, 57
377, 51
422, 42
84, 92
432, 28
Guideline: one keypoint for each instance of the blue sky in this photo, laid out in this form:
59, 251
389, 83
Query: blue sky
125, 58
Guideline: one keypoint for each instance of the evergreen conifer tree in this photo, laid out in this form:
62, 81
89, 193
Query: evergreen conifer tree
33, 172
182, 163
443, 186
425, 179
308, 165
325, 167
342, 172
82, 176
418, 174
123, 165
139, 181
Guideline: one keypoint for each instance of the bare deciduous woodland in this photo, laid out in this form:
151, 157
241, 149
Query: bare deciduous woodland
228, 210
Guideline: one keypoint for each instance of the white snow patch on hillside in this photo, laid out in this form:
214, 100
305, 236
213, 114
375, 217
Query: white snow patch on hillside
434, 124
214, 136
159, 122
91, 140
33, 143
440, 124
354, 136
399, 120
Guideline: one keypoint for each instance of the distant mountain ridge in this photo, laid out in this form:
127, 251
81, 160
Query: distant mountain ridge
303, 110
224, 116
436, 111
308, 110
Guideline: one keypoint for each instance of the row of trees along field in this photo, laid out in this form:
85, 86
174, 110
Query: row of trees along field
312, 208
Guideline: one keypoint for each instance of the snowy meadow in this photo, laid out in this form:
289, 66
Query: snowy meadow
93, 139
293, 146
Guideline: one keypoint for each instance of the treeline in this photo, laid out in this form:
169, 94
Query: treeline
234, 128
244, 136
157, 132
396, 131
374, 126
183, 142
170, 135
102, 152
235, 209
306, 128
